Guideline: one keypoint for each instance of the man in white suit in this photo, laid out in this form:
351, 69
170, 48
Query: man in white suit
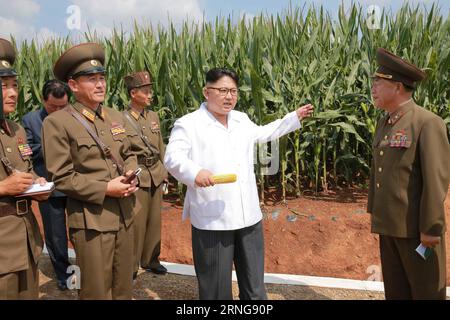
225, 218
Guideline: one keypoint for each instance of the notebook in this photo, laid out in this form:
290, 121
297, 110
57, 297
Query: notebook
37, 189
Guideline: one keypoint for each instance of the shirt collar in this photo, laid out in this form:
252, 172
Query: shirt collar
210, 119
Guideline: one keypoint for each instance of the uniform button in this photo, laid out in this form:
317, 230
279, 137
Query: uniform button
385, 137
114, 165
8, 149
381, 153
378, 185
145, 137
143, 128
102, 132
380, 169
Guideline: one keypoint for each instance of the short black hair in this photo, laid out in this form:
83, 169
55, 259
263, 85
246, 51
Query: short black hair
56, 88
216, 74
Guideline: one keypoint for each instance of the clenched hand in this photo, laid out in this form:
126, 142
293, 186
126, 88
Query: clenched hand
16, 183
204, 179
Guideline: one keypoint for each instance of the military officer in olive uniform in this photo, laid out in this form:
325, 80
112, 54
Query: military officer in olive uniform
20, 239
149, 147
409, 181
87, 154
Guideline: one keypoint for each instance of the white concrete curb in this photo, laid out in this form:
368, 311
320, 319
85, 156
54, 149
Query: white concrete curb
288, 279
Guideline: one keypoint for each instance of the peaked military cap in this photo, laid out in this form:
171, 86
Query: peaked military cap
137, 80
7, 58
394, 68
80, 60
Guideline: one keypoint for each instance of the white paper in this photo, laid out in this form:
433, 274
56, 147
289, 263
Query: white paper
421, 251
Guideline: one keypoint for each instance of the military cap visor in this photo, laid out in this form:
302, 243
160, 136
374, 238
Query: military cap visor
84, 59
7, 58
142, 86
138, 80
394, 68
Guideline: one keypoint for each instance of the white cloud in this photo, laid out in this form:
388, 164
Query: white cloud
20, 31
382, 3
102, 15
12, 27
45, 34
367, 3
17, 18
19, 8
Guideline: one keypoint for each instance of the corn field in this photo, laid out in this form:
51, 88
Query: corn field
303, 55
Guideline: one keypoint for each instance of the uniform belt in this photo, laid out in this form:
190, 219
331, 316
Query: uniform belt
147, 161
19, 208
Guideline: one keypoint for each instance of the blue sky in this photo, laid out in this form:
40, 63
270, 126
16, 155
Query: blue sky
26, 19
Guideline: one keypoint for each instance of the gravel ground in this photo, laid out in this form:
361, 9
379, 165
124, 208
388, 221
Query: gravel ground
149, 286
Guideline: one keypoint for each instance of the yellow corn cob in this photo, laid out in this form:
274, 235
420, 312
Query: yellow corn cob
224, 178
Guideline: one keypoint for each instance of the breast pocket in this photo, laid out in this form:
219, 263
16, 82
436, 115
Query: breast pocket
86, 147
402, 156
133, 136
85, 142
86, 151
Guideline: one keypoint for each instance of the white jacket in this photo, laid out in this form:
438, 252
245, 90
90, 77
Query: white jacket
198, 141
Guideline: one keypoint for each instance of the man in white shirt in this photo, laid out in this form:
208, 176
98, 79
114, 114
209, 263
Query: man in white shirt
225, 218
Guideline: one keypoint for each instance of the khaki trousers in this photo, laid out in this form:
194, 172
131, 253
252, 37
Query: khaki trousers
105, 260
21, 285
147, 228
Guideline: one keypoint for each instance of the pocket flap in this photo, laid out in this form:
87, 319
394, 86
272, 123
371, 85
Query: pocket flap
86, 141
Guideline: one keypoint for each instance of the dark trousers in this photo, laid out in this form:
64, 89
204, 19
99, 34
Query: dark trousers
214, 253
406, 275
55, 232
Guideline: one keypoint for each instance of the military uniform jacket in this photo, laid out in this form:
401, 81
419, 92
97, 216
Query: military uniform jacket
410, 174
80, 169
17, 233
148, 122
